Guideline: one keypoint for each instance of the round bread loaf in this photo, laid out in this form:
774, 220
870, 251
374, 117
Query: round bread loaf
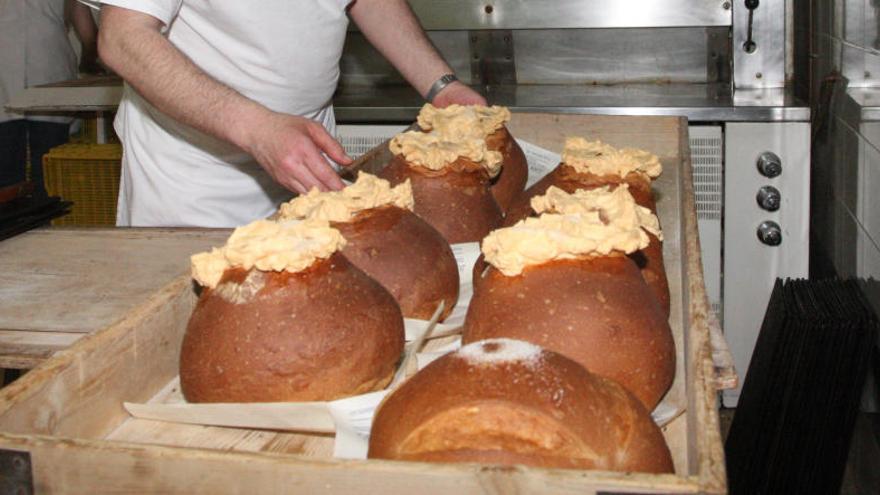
597, 311
649, 259
456, 200
458, 123
406, 255
319, 334
509, 402
511, 182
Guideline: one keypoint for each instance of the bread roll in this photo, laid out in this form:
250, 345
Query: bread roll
589, 165
509, 402
454, 196
312, 333
457, 122
649, 259
386, 240
563, 282
596, 311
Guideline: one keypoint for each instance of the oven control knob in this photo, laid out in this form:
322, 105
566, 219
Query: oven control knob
770, 233
769, 198
769, 164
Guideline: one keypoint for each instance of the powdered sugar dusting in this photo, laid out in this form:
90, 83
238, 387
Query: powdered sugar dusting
497, 351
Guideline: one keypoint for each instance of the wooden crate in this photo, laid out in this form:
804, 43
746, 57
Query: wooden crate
67, 414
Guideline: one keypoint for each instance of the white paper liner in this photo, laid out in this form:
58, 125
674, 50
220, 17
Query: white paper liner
354, 418
541, 161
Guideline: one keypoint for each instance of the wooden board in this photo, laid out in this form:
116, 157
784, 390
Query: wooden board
68, 412
25, 350
57, 283
81, 280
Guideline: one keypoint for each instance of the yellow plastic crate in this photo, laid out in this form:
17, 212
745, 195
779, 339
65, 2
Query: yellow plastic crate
88, 175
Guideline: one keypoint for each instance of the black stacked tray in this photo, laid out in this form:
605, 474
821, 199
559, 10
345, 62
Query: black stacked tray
794, 421
22, 209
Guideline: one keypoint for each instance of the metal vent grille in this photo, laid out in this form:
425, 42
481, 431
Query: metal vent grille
706, 156
707, 146
358, 139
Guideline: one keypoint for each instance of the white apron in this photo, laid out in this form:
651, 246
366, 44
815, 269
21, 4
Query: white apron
283, 54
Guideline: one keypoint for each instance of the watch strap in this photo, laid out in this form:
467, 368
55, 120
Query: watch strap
439, 84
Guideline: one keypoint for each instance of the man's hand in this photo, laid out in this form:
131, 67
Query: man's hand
458, 93
290, 147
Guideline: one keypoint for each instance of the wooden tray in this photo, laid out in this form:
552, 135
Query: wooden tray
66, 416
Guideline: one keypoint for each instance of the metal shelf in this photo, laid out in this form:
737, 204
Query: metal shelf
376, 104
563, 14
698, 102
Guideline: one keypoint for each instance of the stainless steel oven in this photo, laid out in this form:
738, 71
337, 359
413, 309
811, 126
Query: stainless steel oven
723, 64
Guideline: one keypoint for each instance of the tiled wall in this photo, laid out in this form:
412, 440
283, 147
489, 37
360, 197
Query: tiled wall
845, 48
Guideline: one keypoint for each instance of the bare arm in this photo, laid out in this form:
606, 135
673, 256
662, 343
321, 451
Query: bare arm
393, 29
79, 16
288, 147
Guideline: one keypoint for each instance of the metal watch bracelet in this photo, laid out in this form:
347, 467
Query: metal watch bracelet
439, 84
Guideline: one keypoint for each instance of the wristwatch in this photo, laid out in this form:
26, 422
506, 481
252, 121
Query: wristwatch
439, 84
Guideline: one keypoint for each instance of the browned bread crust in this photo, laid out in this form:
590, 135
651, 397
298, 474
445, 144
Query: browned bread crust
650, 263
406, 255
597, 311
455, 201
327, 332
511, 182
547, 412
649, 260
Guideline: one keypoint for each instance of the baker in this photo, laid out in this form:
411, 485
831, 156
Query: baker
227, 105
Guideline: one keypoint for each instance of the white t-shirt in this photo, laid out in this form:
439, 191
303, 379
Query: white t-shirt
283, 54
34, 50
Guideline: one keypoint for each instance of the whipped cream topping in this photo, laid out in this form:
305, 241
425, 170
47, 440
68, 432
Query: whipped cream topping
268, 246
600, 158
457, 121
589, 223
366, 193
436, 152
617, 204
